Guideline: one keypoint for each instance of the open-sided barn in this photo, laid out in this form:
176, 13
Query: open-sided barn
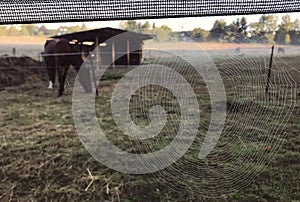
125, 51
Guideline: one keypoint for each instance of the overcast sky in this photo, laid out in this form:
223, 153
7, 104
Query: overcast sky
176, 24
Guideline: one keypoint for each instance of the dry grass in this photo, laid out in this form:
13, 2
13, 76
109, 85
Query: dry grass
42, 158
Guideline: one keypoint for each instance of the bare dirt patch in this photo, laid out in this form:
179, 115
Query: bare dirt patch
17, 71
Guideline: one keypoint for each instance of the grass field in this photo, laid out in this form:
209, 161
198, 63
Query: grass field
43, 159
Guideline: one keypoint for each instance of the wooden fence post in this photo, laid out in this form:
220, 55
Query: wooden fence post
269, 72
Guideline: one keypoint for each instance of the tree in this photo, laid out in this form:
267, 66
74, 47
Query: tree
294, 33
287, 39
73, 29
280, 36
24, 31
236, 31
233, 27
146, 28
286, 23
218, 30
267, 23
205, 34
12, 31
123, 24
199, 34
231, 31
153, 25
283, 33
139, 27
244, 23
296, 25
132, 25
165, 27
162, 34
195, 32
3, 30
52, 32
129, 25
270, 38
243, 27
265, 29
271, 23
83, 27
31, 29
255, 27
146, 25
40, 34
295, 37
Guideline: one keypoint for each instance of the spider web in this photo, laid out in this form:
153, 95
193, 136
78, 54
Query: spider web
254, 125
254, 128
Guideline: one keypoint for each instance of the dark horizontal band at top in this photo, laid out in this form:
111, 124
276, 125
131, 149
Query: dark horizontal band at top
35, 11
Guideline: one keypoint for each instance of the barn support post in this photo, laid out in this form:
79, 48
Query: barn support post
113, 53
94, 77
97, 65
128, 52
141, 53
97, 53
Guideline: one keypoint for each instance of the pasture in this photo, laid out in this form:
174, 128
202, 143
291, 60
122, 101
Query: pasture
42, 157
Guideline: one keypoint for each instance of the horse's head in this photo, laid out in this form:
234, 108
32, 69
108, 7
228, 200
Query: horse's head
77, 59
84, 55
75, 56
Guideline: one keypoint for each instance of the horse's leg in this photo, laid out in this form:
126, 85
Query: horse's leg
50, 85
60, 80
62, 75
51, 73
65, 72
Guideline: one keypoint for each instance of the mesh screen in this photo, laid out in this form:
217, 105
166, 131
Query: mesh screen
30, 11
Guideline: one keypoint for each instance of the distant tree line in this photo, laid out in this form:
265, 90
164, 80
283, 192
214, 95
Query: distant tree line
160, 34
266, 30
33, 30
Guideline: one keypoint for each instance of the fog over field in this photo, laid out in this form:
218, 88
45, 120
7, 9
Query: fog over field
182, 49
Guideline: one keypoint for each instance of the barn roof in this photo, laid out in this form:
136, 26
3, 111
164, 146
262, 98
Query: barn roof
103, 34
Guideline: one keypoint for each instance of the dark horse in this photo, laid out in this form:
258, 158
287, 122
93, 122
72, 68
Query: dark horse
59, 55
